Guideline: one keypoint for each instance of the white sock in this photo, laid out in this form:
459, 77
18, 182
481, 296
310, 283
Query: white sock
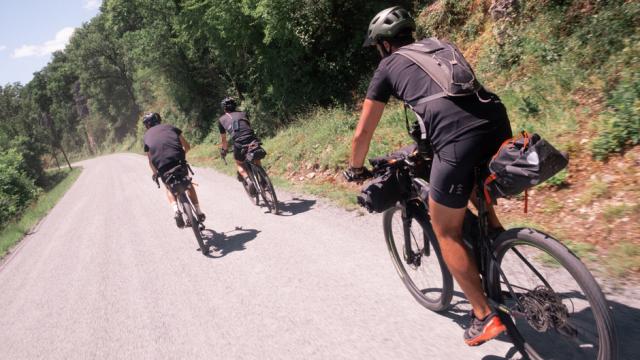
174, 206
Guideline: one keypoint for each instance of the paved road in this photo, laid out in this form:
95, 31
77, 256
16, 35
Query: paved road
108, 275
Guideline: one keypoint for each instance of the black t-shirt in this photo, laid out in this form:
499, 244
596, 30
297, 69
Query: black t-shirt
448, 119
162, 142
242, 133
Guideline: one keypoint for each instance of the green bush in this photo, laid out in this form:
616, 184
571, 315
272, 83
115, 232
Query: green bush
445, 17
31, 153
17, 189
620, 124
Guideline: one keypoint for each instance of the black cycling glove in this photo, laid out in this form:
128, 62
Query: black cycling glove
223, 152
357, 174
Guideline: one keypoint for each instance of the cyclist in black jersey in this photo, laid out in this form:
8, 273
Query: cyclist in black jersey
166, 148
236, 124
463, 132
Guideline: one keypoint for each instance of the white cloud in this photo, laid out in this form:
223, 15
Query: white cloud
2, 47
58, 43
92, 4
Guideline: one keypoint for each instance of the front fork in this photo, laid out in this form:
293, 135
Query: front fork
411, 257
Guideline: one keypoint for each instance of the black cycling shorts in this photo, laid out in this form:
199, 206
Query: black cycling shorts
239, 147
452, 171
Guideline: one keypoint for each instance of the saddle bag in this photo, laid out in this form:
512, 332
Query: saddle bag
521, 163
255, 151
177, 178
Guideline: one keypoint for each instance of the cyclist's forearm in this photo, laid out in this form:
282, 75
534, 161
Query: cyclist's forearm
153, 168
371, 114
185, 144
223, 142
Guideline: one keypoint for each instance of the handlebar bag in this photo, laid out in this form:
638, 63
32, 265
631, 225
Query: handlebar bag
381, 193
521, 163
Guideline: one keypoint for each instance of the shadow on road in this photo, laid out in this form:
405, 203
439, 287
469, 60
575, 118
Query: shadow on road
229, 241
295, 206
626, 319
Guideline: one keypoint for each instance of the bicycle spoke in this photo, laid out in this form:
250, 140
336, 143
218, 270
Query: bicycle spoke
421, 271
549, 308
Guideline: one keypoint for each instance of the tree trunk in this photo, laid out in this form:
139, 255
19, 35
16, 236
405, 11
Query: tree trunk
55, 157
65, 156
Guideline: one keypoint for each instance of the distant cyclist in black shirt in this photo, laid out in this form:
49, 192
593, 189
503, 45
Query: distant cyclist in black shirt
236, 124
462, 132
166, 148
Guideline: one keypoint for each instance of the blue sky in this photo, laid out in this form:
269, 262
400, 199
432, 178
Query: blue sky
30, 30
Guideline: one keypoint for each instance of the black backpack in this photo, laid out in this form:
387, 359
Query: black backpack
445, 64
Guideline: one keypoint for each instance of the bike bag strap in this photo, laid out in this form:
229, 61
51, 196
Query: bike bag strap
521, 163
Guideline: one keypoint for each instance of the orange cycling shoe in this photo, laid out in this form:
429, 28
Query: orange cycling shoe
480, 331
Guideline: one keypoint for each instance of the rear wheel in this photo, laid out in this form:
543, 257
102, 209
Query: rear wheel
420, 264
266, 189
195, 224
255, 197
556, 308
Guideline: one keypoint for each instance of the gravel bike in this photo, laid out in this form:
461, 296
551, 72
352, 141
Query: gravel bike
178, 181
550, 303
258, 176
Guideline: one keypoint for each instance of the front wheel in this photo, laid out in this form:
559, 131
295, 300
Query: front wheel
416, 255
195, 223
556, 308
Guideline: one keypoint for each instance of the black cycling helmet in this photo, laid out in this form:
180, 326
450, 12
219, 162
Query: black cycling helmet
151, 119
228, 104
387, 24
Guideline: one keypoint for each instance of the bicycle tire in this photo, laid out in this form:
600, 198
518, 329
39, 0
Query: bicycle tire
255, 198
195, 223
591, 292
439, 302
263, 178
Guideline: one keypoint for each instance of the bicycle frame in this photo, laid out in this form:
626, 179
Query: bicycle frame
504, 297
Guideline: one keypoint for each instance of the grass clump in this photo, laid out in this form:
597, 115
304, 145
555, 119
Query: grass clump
617, 211
619, 126
558, 180
595, 189
321, 140
552, 206
624, 258
57, 184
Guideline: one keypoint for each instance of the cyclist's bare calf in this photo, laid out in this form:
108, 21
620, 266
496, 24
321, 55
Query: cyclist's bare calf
447, 224
193, 196
492, 217
240, 167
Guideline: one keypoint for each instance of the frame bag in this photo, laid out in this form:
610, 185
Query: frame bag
521, 163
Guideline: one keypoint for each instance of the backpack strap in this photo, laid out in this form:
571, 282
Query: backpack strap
418, 53
235, 124
425, 54
423, 128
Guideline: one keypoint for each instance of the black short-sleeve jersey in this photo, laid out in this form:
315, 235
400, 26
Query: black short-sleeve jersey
162, 142
243, 131
447, 119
